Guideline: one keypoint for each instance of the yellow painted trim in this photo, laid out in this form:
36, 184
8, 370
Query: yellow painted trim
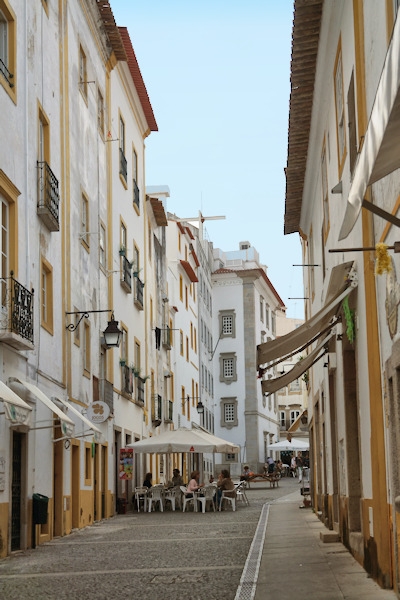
11, 193
377, 438
12, 50
389, 19
46, 268
340, 158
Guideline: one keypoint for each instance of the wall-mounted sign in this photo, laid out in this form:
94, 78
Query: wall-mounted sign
392, 300
98, 412
126, 463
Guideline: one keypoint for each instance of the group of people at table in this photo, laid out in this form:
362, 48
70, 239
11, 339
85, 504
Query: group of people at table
223, 483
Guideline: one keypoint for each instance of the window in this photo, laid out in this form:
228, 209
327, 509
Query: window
86, 347
123, 347
102, 246
267, 315
100, 111
180, 288
83, 72
184, 400
187, 348
294, 414
351, 107
7, 47
228, 367
227, 323
325, 193
261, 309
137, 357
339, 105
295, 386
123, 165
282, 419
5, 267
186, 297
181, 342
46, 296
273, 322
136, 198
85, 221
150, 240
123, 239
229, 412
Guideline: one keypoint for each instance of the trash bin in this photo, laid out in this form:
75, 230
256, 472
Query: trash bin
121, 506
40, 504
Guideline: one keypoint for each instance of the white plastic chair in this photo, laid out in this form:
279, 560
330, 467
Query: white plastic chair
169, 495
231, 499
141, 497
187, 500
209, 493
156, 496
240, 490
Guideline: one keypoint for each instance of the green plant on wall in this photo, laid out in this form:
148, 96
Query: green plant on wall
305, 377
349, 318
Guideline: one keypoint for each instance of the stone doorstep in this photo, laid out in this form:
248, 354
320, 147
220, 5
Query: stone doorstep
327, 537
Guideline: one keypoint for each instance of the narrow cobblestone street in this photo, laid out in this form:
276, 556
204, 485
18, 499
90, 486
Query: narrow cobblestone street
159, 555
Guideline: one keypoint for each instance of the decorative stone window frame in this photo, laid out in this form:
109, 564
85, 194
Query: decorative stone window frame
229, 424
221, 315
222, 357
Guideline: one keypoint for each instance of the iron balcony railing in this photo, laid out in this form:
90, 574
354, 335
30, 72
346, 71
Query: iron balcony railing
6, 73
140, 389
127, 380
136, 194
48, 204
156, 408
139, 287
17, 307
167, 337
126, 278
123, 164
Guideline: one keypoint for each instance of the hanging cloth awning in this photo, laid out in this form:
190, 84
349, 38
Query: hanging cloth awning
16, 410
92, 429
67, 425
306, 333
269, 386
380, 154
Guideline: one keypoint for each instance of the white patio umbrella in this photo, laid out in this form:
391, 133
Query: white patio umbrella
293, 444
184, 440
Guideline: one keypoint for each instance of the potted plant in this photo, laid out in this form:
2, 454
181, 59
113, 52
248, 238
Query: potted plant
122, 250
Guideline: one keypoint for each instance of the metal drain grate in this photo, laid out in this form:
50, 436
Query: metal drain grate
248, 580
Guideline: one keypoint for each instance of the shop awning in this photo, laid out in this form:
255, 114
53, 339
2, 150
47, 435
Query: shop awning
67, 425
16, 410
189, 271
269, 386
380, 154
92, 429
305, 334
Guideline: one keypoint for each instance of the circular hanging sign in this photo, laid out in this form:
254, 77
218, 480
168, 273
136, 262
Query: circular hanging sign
98, 412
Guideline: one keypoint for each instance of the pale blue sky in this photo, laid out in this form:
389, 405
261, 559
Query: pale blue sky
218, 77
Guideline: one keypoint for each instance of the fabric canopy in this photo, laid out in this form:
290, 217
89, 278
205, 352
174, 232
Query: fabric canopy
380, 154
16, 410
67, 425
306, 333
95, 430
184, 440
269, 386
293, 444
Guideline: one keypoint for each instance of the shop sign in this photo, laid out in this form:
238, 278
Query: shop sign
126, 463
98, 412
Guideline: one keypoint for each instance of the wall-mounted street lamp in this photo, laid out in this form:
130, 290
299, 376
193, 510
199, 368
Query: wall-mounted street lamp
112, 334
200, 405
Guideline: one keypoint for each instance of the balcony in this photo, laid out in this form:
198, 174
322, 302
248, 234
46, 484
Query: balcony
167, 337
123, 165
140, 390
48, 204
156, 410
126, 274
139, 287
169, 411
136, 195
6, 73
16, 316
127, 387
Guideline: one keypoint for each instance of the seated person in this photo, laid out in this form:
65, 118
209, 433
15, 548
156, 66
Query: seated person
245, 476
271, 465
147, 480
177, 479
225, 483
193, 484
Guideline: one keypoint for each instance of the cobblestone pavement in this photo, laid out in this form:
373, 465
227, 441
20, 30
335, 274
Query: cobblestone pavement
168, 555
